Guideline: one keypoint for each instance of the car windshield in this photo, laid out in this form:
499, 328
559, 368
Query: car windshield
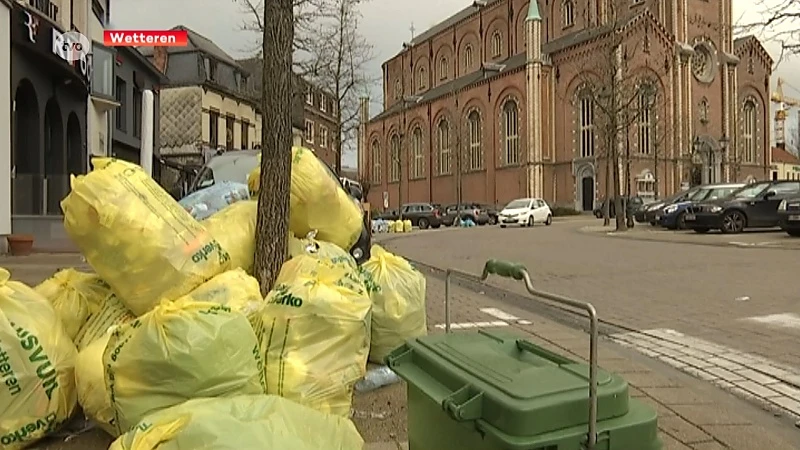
233, 169
518, 204
701, 194
751, 191
718, 193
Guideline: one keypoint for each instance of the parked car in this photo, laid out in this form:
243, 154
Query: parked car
389, 214
789, 216
525, 211
236, 166
631, 206
422, 215
471, 211
753, 206
491, 211
673, 216
652, 212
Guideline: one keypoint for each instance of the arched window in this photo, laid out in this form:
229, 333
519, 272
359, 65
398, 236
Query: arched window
568, 10
422, 78
443, 133
376, 162
586, 113
511, 135
443, 68
398, 89
475, 141
468, 58
645, 119
394, 157
418, 163
497, 44
749, 124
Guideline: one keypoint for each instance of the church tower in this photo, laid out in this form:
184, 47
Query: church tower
533, 161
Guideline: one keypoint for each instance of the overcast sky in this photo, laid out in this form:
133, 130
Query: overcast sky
386, 24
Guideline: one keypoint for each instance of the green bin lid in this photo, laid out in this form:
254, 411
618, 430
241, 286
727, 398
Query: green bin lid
512, 384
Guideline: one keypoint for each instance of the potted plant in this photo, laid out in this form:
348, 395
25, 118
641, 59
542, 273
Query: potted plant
20, 244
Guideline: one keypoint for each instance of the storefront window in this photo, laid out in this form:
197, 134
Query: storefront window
103, 70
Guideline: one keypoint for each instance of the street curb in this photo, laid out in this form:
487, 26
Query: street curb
623, 235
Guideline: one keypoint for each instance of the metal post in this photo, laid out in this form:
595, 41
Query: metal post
447, 302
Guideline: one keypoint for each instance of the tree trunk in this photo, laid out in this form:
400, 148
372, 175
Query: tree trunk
272, 225
609, 192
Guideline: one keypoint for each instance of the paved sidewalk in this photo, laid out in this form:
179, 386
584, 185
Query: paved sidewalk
692, 414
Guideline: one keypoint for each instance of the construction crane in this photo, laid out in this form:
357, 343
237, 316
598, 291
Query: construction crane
781, 113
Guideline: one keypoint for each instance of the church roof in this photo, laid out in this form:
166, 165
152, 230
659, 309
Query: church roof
533, 11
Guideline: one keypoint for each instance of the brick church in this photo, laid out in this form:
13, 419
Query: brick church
509, 98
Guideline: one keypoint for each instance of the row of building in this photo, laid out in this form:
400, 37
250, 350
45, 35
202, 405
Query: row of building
55, 115
500, 101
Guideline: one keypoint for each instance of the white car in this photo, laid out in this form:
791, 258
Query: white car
525, 211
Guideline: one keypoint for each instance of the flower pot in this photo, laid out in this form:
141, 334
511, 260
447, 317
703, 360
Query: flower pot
20, 244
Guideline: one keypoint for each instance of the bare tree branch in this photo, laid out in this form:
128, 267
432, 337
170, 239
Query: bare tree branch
779, 22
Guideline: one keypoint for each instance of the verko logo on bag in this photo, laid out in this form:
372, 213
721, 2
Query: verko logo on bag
284, 297
45, 370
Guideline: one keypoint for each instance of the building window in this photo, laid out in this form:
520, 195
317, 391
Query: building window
331, 106
418, 167
646, 185
497, 44
137, 111
121, 98
309, 131
443, 68
587, 127
309, 96
211, 69
213, 129
376, 162
245, 135
230, 122
445, 157
323, 137
323, 105
749, 132
422, 78
468, 58
103, 70
394, 157
645, 123
99, 12
475, 141
237, 76
398, 89
568, 9
511, 126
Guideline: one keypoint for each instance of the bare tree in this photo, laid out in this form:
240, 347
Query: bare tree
336, 60
615, 84
276, 110
779, 22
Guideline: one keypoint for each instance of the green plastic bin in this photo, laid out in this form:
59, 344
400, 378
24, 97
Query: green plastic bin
490, 390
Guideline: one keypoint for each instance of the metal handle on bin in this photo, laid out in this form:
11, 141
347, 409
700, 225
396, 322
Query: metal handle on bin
518, 271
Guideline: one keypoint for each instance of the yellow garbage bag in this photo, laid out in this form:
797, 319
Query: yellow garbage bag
314, 332
90, 379
235, 229
75, 296
321, 250
397, 291
244, 422
407, 227
112, 312
318, 202
398, 226
137, 237
179, 351
37, 366
234, 288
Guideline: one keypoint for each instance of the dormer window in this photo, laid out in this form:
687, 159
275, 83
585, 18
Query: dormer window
310, 96
238, 77
211, 69
323, 105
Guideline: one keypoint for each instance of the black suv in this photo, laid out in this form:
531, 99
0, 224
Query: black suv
422, 215
753, 206
789, 216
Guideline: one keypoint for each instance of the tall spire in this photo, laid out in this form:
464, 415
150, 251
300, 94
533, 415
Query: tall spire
533, 11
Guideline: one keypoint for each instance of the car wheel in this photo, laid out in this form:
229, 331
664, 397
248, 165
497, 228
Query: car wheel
492, 220
680, 221
793, 233
423, 224
530, 221
733, 222
436, 226
598, 214
502, 226
549, 220
700, 230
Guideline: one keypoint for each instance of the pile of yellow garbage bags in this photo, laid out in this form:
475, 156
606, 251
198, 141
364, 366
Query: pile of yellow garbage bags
168, 342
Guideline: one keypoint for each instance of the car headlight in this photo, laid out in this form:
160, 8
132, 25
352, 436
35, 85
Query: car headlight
670, 209
782, 206
715, 209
